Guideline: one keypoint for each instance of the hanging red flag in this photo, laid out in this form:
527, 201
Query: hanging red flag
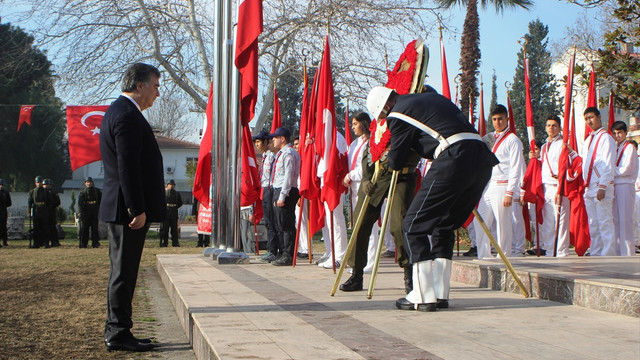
276, 122
612, 112
25, 115
531, 134
573, 139
482, 125
471, 119
591, 98
335, 163
347, 130
202, 179
250, 183
512, 121
83, 127
248, 29
446, 92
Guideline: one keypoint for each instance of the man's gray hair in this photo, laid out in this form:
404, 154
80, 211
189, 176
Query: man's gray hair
138, 73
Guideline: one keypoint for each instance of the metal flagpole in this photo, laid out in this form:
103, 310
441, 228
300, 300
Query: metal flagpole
215, 150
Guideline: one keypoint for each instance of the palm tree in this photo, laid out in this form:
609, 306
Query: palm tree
470, 47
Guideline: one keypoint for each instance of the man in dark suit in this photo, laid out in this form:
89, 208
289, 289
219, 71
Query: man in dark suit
133, 196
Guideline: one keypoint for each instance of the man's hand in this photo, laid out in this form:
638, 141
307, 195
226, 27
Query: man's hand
368, 187
280, 203
507, 201
138, 221
346, 181
600, 195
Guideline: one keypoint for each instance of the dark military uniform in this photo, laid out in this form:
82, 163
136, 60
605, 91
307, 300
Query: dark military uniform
52, 222
5, 202
88, 205
39, 206
174, 201
405, 190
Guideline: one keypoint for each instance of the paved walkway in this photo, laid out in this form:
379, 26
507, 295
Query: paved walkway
260, 311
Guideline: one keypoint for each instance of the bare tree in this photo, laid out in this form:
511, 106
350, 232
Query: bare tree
170, 115
92, 41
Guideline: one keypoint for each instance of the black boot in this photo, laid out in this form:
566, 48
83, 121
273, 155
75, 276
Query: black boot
354, 283
408, 278
473, 251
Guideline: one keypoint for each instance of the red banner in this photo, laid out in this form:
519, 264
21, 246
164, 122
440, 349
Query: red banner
249, 27
202, 179
204, 219
25, 115
83, 126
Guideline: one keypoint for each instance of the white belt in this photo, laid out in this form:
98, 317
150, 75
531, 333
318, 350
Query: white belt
444, 142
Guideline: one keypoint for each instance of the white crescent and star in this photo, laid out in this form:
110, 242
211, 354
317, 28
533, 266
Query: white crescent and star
96, 130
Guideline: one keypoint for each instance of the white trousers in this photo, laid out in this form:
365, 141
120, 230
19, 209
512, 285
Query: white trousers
303, 242
493, 212
623, 218
518, 228
548, 226
339, 230
601, 227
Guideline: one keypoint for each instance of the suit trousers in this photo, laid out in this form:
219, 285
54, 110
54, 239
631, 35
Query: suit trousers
450, 190
125, 251
270, 221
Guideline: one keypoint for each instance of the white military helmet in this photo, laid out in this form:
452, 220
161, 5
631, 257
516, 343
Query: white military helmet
376, 100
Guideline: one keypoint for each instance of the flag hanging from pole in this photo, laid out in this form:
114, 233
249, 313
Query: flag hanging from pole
202, 179
246, 60
276, 122
471, 119
25, 115
512, 121
612, 112
83, 127
446, 92
482, 125
531, 134
573, 139
250, 187
591, 98
347, 130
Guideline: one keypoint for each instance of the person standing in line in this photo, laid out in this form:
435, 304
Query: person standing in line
38, 204
88, 205
5, 202
598, 169
497, 199
286, 170
133, 197
52, 222
264, 146
170, 224
626, 172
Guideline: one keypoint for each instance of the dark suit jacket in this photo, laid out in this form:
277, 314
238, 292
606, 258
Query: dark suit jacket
133, 170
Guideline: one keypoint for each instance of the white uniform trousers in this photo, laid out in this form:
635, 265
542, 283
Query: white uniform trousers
548, 226
518, 229
303, 242
375, 230
637, 218
623, 217
472, 234
493, 212
601, 227
339, 230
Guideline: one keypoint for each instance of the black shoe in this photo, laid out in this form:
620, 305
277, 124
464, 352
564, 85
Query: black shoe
143, 340
404, 304
284, 260
176, 244
199, 245
354, 283
534, 252
408, 279
302, 256
388, 254
443, 304
128, 345
163, 245
95, 245
473, 251
82, 246
269, 258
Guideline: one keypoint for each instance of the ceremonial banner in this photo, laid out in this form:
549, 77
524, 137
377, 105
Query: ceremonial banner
512, 121
446, 92
482, 125
250, 183
612, 112
204, 219
248, 28
592, 101
528, 108
83, 127
25, 115
347, 126
202, 178
276, 122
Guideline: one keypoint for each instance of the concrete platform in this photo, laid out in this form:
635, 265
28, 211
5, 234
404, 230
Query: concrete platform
260, 311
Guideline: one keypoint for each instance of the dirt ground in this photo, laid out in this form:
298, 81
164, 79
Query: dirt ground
53, 301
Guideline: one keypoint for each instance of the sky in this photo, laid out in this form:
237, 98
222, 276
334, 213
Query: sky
499, 35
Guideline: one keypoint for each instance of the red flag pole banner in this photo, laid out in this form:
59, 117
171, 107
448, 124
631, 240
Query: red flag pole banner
531, 134
446, 92
246, 60
512, 121
25, 115
202, 179
83, 127
573, 138
482, 125
471, 119
276, 122
347, 123
612, 112
592, 100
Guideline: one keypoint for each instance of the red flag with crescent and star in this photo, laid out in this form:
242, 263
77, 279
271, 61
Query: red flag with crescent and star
83, 126
25, 115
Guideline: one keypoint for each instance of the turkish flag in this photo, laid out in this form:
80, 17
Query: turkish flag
591, 98
250, 183
347, 131
276, 122
528, 108
25, 115
512, 121
482, 125
612, 112
83, 126
446, 92
249, 28
202, 179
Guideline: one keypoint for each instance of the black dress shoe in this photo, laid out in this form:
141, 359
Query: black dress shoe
354, 283
443, 304
143, 340
128, 345
473, 251
302, 256
404, 304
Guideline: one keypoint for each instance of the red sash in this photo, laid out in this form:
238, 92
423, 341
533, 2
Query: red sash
355, 156
622, 153
593, 156
497, 145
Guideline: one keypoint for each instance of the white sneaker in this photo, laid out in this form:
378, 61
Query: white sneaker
327, 264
